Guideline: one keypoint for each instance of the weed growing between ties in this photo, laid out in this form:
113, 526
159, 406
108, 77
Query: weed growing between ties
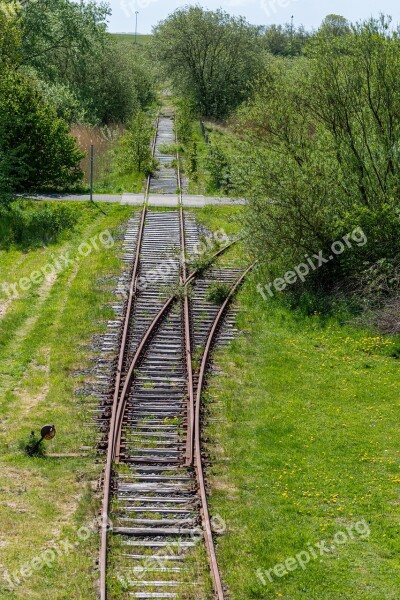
217, 292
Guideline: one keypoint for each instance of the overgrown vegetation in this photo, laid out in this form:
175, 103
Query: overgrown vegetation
133, 155
67, 46
29, 225
58, 67
217, 292
210, 56
315, 151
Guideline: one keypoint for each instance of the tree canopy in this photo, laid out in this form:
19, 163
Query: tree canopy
209, 55
335, 25
320, 152
87, 75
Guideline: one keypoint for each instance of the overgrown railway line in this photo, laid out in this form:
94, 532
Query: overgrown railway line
153, 489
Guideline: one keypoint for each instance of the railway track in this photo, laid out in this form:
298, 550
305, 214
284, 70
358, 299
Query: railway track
154, 492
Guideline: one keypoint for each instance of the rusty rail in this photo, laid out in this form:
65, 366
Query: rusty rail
186, 318
207, 530
114, 410
193, 450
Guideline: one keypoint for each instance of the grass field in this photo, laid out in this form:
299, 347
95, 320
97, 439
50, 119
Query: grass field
45, 345
129, 38
304, 451
306, 445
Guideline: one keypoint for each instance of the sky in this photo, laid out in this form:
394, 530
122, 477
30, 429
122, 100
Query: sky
261, 12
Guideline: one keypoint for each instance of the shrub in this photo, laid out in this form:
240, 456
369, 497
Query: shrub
219, 169
320, 156
31, 225
217, 292
36, 150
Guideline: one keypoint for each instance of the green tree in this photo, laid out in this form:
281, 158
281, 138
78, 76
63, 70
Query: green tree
58, 34
210, 56
282, 40
36, 150
335, 25
115, 83
134, 152
320, 154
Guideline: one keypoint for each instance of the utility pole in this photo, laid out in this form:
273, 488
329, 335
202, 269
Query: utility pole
91, 171
136, 13
291, 36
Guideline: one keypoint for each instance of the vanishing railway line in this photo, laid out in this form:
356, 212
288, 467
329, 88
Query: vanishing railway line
154, 492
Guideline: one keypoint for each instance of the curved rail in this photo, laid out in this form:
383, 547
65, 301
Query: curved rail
207, 530
143, 344
118, 378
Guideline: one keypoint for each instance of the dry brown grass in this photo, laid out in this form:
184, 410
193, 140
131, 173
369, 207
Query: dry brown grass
104, 140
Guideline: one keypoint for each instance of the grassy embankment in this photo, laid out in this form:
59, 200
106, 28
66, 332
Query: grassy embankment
306, 445
45, 344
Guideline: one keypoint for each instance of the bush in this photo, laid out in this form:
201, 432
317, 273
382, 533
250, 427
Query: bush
186, 114
217, 292
219, 169
134, 151
36, 150
31, 225
320, 156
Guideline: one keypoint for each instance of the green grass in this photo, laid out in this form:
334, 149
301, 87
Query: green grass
129, 38
227, 218
216, 217
307, 444
113, 182
44, 347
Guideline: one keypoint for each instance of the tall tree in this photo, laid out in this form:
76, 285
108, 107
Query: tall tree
283, 40
211, 56
321, 152
335, 25
36, 150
